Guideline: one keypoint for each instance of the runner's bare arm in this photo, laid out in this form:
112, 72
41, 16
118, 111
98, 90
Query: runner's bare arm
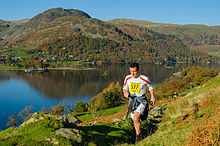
152, 97
126, 93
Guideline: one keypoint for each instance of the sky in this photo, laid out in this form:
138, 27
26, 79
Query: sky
205, 12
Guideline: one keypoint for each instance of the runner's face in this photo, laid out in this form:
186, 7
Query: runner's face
134, 72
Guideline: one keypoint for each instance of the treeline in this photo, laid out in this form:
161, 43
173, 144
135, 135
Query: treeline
153, 48
200, 39
120, 45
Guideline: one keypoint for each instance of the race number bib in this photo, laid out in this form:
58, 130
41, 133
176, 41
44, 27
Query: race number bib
135, 87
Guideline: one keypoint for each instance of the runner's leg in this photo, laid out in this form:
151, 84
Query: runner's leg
137, 123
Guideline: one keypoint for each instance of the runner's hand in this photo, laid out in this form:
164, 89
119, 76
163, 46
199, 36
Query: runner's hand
152, 101
126, 94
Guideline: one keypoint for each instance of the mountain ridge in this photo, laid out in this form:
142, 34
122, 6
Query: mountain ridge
192, 34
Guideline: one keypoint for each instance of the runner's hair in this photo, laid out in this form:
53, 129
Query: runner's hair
134, 64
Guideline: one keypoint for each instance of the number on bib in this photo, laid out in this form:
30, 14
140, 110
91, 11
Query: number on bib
135, 87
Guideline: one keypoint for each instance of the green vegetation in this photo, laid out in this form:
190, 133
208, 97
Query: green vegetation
86, 116
186, 79
146, 46
6, 67
33, 134
191, 119
81, 107
108, 98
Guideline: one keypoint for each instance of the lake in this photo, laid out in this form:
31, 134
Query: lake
47, 89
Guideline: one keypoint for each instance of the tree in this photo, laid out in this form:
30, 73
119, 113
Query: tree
58, 110
13, 120
26, 112
81, 107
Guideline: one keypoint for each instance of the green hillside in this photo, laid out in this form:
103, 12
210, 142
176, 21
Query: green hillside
190, 34
192, 119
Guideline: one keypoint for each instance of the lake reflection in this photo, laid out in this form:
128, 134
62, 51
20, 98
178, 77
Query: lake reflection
19, 89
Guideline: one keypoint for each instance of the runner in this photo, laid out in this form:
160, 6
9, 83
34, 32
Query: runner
174, 95
135, 88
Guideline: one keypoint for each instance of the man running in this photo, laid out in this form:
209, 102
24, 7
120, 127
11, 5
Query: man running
135, 86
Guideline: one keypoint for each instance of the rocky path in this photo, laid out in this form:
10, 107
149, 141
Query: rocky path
120, 114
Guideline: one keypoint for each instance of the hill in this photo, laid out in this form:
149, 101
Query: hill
190, 34
46, 17
8, 27
192, 119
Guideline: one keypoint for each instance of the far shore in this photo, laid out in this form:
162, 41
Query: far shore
66, 68
59, 68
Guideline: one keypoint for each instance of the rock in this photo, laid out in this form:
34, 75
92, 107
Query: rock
59, 118
73, 120
157, 111
94, 122
127, 122
66, 120
36, 113
31, 120
52, 140
150, 116
177, 74
116, 120
70, 133
124, 117
41, 118
48, 139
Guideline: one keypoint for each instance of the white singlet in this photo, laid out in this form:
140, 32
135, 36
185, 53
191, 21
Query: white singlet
137, 86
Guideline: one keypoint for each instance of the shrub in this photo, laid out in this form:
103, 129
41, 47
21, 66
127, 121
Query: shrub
188, 78
58, 110
26, 112
81, 107
108, 98
69, 108
13, 121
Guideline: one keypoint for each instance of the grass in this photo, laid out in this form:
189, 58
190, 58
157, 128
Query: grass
6, 67
168, 136
33, 134
100, 133
22, 54
19, 51
86, 116
182, 124
106, 134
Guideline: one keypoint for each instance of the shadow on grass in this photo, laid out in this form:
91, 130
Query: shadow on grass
82, 114
105, 135
150, 128
110, 135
